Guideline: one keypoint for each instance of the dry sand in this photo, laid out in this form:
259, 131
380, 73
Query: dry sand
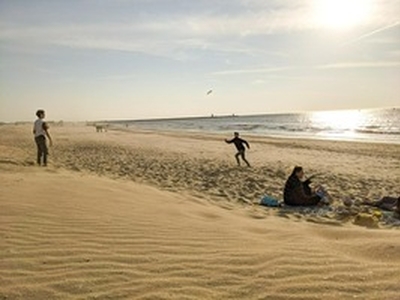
171, 217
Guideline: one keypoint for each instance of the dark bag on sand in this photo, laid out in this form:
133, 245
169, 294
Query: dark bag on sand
388, 203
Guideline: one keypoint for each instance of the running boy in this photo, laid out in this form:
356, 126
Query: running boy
239, 143
41, 130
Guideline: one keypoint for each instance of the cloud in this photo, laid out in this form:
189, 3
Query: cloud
253, 71
358, 65
373, 32
222, 27
344, 65
158, 37
258, 82
395, 53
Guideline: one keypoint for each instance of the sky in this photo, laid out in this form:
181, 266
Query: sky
134, 59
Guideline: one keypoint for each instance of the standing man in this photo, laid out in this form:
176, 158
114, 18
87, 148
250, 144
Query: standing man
40, 130
240, 148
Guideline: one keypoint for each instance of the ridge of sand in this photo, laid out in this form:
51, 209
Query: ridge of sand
71, 236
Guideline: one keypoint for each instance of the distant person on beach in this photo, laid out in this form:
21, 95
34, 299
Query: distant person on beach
41, 131
298, 192
239, 144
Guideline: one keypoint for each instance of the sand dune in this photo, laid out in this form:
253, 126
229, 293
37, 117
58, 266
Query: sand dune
68, 236
71, 234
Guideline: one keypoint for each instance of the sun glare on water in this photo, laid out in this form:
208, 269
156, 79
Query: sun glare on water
339, 120
341, 14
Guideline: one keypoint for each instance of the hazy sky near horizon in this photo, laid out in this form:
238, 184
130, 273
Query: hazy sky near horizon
124, 59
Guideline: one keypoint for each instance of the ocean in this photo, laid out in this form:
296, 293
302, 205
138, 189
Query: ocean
374, 125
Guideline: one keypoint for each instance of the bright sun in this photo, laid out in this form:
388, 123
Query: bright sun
341, 14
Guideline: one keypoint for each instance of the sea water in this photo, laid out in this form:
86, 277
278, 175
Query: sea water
380, 125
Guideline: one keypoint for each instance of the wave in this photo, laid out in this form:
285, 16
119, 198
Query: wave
377, 131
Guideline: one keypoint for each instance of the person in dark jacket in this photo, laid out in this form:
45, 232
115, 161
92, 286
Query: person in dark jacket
398, 208
239, 144
297, 192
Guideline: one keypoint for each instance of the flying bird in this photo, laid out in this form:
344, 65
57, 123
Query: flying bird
209, 92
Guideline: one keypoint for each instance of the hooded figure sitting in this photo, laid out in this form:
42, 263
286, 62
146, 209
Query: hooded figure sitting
297, 192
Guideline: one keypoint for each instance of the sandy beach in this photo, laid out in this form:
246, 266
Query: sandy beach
129, 214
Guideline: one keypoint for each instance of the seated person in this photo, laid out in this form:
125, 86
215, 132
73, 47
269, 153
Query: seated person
297, 192
397, 214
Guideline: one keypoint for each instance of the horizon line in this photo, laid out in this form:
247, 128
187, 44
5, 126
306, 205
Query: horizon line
217, 116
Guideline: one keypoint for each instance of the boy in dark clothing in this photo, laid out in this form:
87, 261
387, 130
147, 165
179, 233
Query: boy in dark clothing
40, 130
239, 144
297, 192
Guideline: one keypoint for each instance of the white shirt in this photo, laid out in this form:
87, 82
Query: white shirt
38, 128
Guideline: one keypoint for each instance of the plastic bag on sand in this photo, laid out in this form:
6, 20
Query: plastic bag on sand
270, 202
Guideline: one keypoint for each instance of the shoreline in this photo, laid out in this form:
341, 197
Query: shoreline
374, 125
352, 146
286, 136
258, 136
